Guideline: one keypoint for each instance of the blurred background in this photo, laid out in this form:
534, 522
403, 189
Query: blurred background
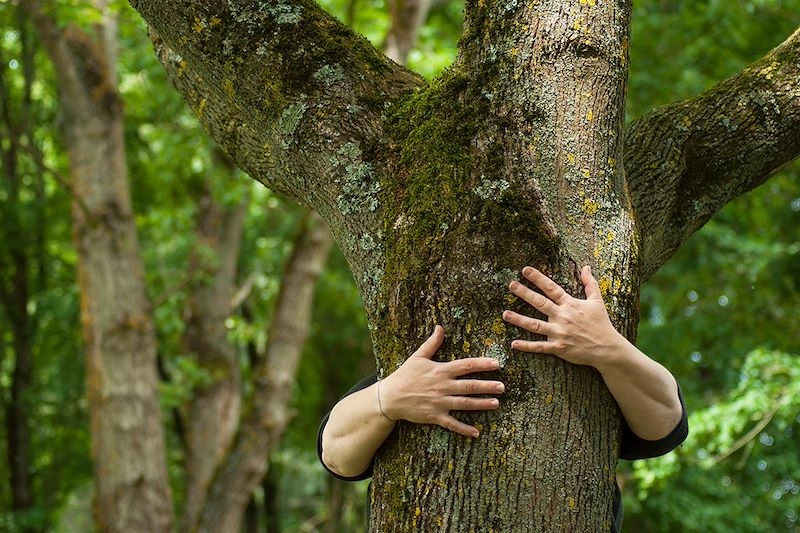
723, 314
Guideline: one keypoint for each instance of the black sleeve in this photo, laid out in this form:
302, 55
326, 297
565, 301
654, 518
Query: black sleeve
363, 384
634, 447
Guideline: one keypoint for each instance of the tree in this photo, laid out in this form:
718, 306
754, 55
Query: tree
438, 192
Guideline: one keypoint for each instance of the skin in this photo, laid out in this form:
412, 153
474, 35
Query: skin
425, 391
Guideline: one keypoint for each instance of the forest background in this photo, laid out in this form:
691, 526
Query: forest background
723, 314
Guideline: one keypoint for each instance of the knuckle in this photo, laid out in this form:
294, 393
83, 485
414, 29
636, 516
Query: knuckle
463, 404
472, 387
533, 325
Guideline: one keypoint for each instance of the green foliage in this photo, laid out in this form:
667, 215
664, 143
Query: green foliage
723, 313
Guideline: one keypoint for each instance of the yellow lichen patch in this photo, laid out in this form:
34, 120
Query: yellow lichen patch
183, 39
499, 326
623, 50
214, 21
466, 346
481, 3
468, 328
450, 465
479, 426
198, 25
510, 298
604, 284
590, 206
514, 51
488, 342
571, 158
609, 236
590, 115
548, 399
590, 3
201, 108
227, 86
686, 121
571, 503
417, 511
612, 162
586, 173
769, 71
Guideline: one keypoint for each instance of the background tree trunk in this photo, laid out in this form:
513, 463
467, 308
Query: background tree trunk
131, 488
22, 259
267, 412
213, 413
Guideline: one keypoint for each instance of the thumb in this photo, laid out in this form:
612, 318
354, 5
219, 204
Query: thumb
590, 285
431, 344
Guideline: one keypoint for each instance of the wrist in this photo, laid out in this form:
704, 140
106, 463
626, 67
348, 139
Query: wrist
385, 404
615, 354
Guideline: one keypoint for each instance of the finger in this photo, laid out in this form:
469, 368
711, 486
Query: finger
535, 346
470, 365
467, 403
590, 285
476, 386
540, 327
451, 424
552, 289
431, 344
534, 298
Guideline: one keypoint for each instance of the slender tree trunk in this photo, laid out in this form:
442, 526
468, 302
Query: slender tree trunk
213, 414
131, 487
267, 414
22, 263
406, 18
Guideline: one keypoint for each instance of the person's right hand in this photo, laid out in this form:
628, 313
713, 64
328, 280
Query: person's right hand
425, 391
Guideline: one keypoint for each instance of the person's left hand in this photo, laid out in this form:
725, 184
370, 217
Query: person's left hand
578, 331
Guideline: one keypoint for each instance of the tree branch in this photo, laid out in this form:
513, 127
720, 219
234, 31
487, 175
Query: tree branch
686, 160
292, 95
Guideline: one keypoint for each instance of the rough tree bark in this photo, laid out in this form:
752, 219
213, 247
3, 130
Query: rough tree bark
438, 194
131, 487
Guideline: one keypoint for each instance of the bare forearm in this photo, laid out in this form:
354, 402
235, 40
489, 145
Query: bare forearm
354, 432
646, 392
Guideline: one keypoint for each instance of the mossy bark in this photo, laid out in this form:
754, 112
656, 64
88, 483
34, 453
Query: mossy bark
438, 194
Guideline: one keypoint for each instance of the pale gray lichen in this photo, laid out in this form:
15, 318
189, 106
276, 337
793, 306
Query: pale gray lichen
439, 440
491, 189
366, 242
504, 276
354, 108
359, 187
458, 313
285, 13
496, 351
329, 74
290, 120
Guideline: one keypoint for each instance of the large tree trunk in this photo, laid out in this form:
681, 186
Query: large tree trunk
132, 493
438, 196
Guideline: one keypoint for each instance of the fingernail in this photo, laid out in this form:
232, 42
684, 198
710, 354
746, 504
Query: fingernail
527, 270
513, 285
506, 314
496, 364
495, 402
501, 388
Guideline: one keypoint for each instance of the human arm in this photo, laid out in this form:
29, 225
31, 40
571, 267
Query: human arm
580, 331
421, 390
